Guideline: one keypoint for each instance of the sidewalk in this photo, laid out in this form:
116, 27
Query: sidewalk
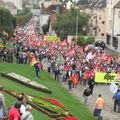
108, 113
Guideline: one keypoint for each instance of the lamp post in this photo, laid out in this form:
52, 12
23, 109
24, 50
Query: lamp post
77, 24
113, 20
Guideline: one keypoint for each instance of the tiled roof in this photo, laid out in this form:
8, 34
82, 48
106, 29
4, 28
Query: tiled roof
11, 5
97, 4
1, 3
55, 8
117, 5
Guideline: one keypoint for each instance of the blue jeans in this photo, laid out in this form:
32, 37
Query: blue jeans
99, 114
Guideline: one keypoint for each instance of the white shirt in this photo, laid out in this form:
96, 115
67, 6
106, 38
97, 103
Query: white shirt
30, 117
22, 109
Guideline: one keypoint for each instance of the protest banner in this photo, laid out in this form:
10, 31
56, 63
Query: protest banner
106, 77
51, 38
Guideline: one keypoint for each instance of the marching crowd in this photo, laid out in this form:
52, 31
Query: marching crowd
76, 66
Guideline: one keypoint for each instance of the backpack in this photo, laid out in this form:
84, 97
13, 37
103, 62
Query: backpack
87, 92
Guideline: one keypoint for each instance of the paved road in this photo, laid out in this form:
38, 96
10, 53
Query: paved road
108, 112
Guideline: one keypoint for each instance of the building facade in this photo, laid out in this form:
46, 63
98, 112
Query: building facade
113, 25
18, 3
105, 21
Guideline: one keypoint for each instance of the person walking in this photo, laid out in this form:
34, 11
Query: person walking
86, 94
100, 104
22, 100
57, 72
3, 112
91, 83
37, 69
116, 98
14, 113
27, 115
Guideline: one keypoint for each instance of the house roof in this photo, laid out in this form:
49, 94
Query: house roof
97, 4
2, 3
11, 5
82, 6
117, 5
55, 8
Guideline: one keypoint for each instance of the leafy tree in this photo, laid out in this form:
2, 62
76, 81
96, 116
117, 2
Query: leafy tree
23, 16
6, 20
66, 23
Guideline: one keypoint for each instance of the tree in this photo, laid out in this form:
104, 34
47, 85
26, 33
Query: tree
66, 23
6, 20
23, 17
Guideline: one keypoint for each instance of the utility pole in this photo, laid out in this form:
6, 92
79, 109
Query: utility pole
77, 23
113, 20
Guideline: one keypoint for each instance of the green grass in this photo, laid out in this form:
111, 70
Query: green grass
59, 93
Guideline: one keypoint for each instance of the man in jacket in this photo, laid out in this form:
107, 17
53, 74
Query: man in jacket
116, 98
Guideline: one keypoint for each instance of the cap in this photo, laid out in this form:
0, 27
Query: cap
17, 105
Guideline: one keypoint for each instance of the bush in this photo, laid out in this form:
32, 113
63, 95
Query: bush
90, 40
81, 41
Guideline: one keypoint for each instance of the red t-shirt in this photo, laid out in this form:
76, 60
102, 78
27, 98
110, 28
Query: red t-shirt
14, 114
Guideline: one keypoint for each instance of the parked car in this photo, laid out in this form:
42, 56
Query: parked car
100, 44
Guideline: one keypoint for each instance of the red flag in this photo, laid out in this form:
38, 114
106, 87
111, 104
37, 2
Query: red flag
64, 42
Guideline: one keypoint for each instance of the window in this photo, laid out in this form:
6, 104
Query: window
108, 39
102, 34
103, 22
119, 14
100, 18
115, 43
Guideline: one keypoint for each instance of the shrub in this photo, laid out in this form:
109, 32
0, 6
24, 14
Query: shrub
90, 40
81, 41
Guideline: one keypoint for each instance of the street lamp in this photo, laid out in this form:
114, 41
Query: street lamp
77, 24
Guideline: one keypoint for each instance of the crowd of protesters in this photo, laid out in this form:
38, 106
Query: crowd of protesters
78, 65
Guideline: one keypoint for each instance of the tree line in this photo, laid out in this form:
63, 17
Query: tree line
9, 22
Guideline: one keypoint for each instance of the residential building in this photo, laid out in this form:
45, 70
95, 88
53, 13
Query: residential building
67, 4
105, 21
18, 3
97, 10
113, 25
10, 6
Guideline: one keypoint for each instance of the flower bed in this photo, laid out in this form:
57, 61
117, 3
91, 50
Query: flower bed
55, 102
25, 81
51, 110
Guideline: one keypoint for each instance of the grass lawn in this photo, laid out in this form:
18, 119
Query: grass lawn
59, 93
